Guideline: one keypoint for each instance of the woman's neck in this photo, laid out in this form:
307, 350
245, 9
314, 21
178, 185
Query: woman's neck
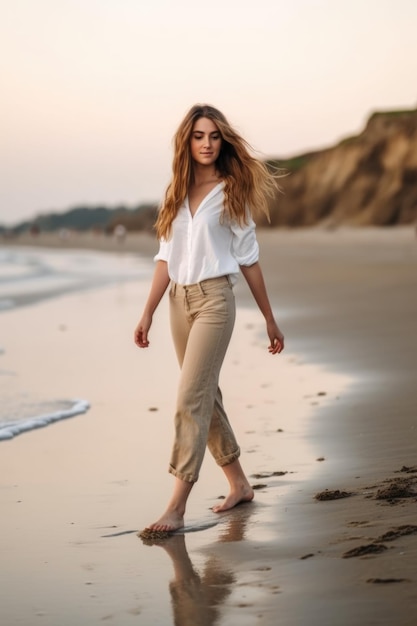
204, 175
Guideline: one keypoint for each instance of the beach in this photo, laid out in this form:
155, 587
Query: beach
334, 415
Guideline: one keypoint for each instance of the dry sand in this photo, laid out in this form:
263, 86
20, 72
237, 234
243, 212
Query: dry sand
343, 392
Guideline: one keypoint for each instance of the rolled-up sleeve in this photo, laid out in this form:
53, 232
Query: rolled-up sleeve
245, 246
163, 251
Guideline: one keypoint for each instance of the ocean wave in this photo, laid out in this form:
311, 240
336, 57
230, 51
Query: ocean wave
10, 429
27, 275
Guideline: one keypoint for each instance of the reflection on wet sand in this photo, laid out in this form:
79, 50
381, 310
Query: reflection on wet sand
237, 520
197, 596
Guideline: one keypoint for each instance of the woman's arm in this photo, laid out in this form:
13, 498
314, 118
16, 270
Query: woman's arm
159, 285
254, 277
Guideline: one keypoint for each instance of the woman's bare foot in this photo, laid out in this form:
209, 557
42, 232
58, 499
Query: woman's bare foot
173, 518
240, 489
236, 496
168, 522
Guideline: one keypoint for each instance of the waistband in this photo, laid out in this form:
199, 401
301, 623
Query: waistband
201, 286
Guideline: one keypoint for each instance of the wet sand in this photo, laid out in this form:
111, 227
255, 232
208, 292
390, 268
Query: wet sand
336, 412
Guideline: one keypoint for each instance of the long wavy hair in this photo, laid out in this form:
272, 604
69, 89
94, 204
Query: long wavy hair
247, 180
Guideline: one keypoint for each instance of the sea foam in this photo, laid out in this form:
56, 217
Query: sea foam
10, 429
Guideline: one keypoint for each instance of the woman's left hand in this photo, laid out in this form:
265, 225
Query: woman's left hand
276, 338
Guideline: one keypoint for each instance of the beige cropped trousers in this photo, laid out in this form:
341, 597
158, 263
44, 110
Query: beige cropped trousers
202, 318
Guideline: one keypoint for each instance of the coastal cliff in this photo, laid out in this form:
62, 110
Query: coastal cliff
369, 179
366, 180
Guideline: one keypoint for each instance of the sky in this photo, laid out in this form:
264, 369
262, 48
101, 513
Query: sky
93, 90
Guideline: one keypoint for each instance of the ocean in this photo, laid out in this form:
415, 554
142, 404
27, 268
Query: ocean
27, 276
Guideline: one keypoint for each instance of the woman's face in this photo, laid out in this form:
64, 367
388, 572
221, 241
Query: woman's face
206, 142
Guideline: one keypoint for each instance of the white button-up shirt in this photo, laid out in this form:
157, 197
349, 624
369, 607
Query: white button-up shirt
208, 244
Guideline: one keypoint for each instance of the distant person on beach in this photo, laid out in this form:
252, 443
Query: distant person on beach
120, 233
206, 233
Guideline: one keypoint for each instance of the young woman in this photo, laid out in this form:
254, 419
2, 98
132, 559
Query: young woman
207, 234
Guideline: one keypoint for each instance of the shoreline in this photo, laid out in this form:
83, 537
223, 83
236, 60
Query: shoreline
332, 290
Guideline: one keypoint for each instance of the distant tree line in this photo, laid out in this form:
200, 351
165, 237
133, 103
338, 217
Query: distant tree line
85, 218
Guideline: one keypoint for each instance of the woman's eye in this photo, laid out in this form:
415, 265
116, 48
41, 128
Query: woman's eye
213, 137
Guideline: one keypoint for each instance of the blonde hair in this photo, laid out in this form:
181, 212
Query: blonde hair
247, 181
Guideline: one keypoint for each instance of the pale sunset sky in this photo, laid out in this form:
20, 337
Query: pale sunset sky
93, 90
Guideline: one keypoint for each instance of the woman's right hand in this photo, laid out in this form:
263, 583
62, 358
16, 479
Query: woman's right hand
159, 285
141, 331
